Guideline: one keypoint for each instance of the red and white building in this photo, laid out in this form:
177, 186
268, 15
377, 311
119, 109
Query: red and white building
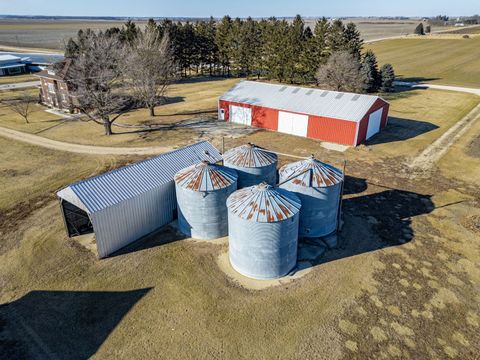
338, 117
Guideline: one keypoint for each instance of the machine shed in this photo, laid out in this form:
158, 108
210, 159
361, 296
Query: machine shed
339, 117
128, 203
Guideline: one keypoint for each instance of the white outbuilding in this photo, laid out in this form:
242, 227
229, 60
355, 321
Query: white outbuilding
125, 204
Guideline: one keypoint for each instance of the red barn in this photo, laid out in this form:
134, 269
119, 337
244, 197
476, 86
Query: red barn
338, 117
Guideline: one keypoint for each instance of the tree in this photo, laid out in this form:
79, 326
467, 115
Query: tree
320, 39
341, 73
369, 71
96, 77
387, 74
335, 37
149, 68
71, 49
223, 39
309, 59
428, 29
21, 105
294, 48
419, 30
129, 32
352, 41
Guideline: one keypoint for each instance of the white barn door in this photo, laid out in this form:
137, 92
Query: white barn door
294, 124
241, 115
374, 122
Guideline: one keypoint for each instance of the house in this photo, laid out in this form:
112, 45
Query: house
128, 203
11, 65
338, 117
55, 91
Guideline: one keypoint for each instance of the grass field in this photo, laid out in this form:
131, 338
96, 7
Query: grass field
408, 256
474, 30
439, 61
17, 78
403, 284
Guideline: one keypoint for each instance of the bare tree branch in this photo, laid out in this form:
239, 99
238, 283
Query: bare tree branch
341, 73
21, 105
150, 68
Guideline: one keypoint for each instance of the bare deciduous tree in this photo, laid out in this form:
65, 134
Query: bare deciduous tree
21, 105
341, 73
96, 76
150, 68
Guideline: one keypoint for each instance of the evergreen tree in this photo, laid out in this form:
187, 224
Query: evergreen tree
129, 32
250, 43
71, 49
223, 39
321, 34
387, 75
294, 48
352, 41
276, 40
309, 60
419, 30
369, 71
335, 37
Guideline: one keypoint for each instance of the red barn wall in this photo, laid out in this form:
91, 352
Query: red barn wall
363, 125
332, 130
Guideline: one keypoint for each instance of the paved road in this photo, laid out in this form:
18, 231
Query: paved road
19, 85
81, 149
439, 87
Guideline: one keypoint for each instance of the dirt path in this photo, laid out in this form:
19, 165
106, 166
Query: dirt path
19, 85
439, 147
474, 91
81, 149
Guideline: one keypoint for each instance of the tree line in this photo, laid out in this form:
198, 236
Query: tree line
269, 48
144, 62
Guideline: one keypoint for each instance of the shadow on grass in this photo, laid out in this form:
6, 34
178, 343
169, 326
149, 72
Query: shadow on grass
371, 222
62, 324
400, 129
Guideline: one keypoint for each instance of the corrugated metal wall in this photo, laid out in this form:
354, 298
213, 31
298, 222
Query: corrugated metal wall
121, 224
333, 130
363, 124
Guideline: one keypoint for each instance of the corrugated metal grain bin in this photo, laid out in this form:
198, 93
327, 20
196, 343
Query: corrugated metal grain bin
319, 186
263, 231
202, 191
253, 165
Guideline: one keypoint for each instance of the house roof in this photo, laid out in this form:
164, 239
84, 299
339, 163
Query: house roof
100, 192
332, 104
9, 59
56, 74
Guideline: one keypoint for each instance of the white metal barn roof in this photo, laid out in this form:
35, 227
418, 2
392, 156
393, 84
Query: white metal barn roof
111, 188
332, 104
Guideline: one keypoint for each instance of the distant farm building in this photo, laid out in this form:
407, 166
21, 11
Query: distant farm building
126, 204
11, 65
338, 117
55, 91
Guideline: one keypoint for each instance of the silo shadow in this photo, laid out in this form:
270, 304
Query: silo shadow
371, 222
62, 324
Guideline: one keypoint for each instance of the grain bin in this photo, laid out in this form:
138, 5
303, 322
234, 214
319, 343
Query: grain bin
263, 231
319, 187
253, 165
202, 191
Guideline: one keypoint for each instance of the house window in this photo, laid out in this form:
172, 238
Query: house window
51, 88
64, 98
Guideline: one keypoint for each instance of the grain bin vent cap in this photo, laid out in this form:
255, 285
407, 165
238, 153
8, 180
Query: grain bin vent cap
249, 156
311, 173
205, 176
263, 203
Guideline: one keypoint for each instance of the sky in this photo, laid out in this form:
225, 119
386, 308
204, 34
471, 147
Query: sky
242, 8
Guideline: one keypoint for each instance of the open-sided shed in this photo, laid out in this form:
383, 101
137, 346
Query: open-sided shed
128, 203
339, 117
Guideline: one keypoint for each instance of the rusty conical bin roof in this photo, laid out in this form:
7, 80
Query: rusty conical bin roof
205, 177
249, 155
311, 173
263, 203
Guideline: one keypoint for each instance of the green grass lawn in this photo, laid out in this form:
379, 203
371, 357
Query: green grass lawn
439, 61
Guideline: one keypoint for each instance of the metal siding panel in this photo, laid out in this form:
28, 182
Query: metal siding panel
374, 123
122, 224
333, 130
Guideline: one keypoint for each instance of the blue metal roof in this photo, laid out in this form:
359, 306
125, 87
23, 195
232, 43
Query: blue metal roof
108, 189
